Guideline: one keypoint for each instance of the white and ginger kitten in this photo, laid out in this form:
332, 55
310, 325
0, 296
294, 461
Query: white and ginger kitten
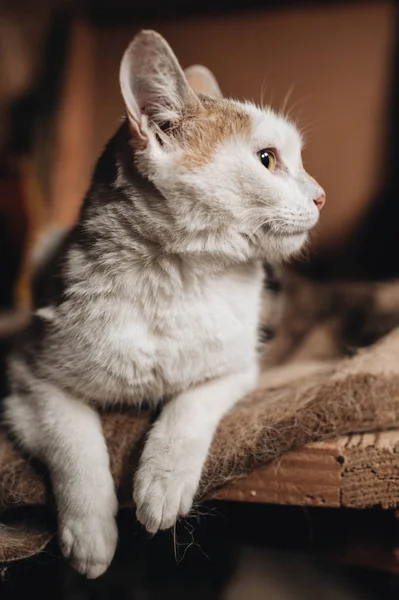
155, 294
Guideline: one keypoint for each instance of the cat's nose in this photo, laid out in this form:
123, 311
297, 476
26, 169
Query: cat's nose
320, 201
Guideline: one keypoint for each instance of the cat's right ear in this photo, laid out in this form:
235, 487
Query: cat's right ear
154, 87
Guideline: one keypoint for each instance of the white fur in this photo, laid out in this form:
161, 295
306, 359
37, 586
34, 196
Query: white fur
173, 457
169, 311
67, 435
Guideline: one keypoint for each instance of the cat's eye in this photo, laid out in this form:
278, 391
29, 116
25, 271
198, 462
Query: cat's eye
268, 159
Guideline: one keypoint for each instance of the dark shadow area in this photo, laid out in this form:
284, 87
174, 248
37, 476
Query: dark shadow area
202, 558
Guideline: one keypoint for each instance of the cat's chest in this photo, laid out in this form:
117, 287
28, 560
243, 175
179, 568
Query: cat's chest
215, 317
141, 346
200, 333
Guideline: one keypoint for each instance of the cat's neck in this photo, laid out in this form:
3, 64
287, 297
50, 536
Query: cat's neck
126, 225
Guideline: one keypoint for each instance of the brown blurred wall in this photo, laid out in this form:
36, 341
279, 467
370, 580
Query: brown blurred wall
338, 58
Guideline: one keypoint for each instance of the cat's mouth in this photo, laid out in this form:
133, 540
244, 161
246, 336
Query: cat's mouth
287, 230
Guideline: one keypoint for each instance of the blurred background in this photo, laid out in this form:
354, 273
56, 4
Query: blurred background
333, 64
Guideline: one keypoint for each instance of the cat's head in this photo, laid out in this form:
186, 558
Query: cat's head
231, 174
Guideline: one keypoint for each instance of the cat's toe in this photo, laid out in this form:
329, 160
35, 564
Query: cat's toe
89, 543
161, 498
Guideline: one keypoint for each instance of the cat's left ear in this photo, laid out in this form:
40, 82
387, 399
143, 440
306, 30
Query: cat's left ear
153, 85
203, 81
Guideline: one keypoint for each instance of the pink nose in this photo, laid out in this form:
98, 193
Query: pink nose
320, 201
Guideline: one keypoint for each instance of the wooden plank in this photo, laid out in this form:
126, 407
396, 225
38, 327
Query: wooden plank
371, 470
74, 131
356, 471
72, 156
37, 220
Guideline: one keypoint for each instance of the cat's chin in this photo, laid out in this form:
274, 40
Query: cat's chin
283, 247
293, 243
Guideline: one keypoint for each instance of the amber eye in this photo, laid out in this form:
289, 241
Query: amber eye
268, 159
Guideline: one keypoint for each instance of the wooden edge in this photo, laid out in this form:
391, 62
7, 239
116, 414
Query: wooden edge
357, 471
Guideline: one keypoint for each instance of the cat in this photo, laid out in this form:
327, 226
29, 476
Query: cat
154, 296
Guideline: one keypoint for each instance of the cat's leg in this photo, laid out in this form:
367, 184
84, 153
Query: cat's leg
66, 435
177, 446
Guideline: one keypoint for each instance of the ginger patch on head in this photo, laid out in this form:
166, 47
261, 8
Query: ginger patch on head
201, 134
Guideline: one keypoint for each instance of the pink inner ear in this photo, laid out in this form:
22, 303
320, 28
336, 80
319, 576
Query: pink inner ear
136, 128
202, 81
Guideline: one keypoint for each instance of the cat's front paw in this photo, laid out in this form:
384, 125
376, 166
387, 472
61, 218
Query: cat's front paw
162, 495
88, 541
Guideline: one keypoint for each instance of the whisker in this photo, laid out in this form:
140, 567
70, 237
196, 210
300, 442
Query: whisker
287, 98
